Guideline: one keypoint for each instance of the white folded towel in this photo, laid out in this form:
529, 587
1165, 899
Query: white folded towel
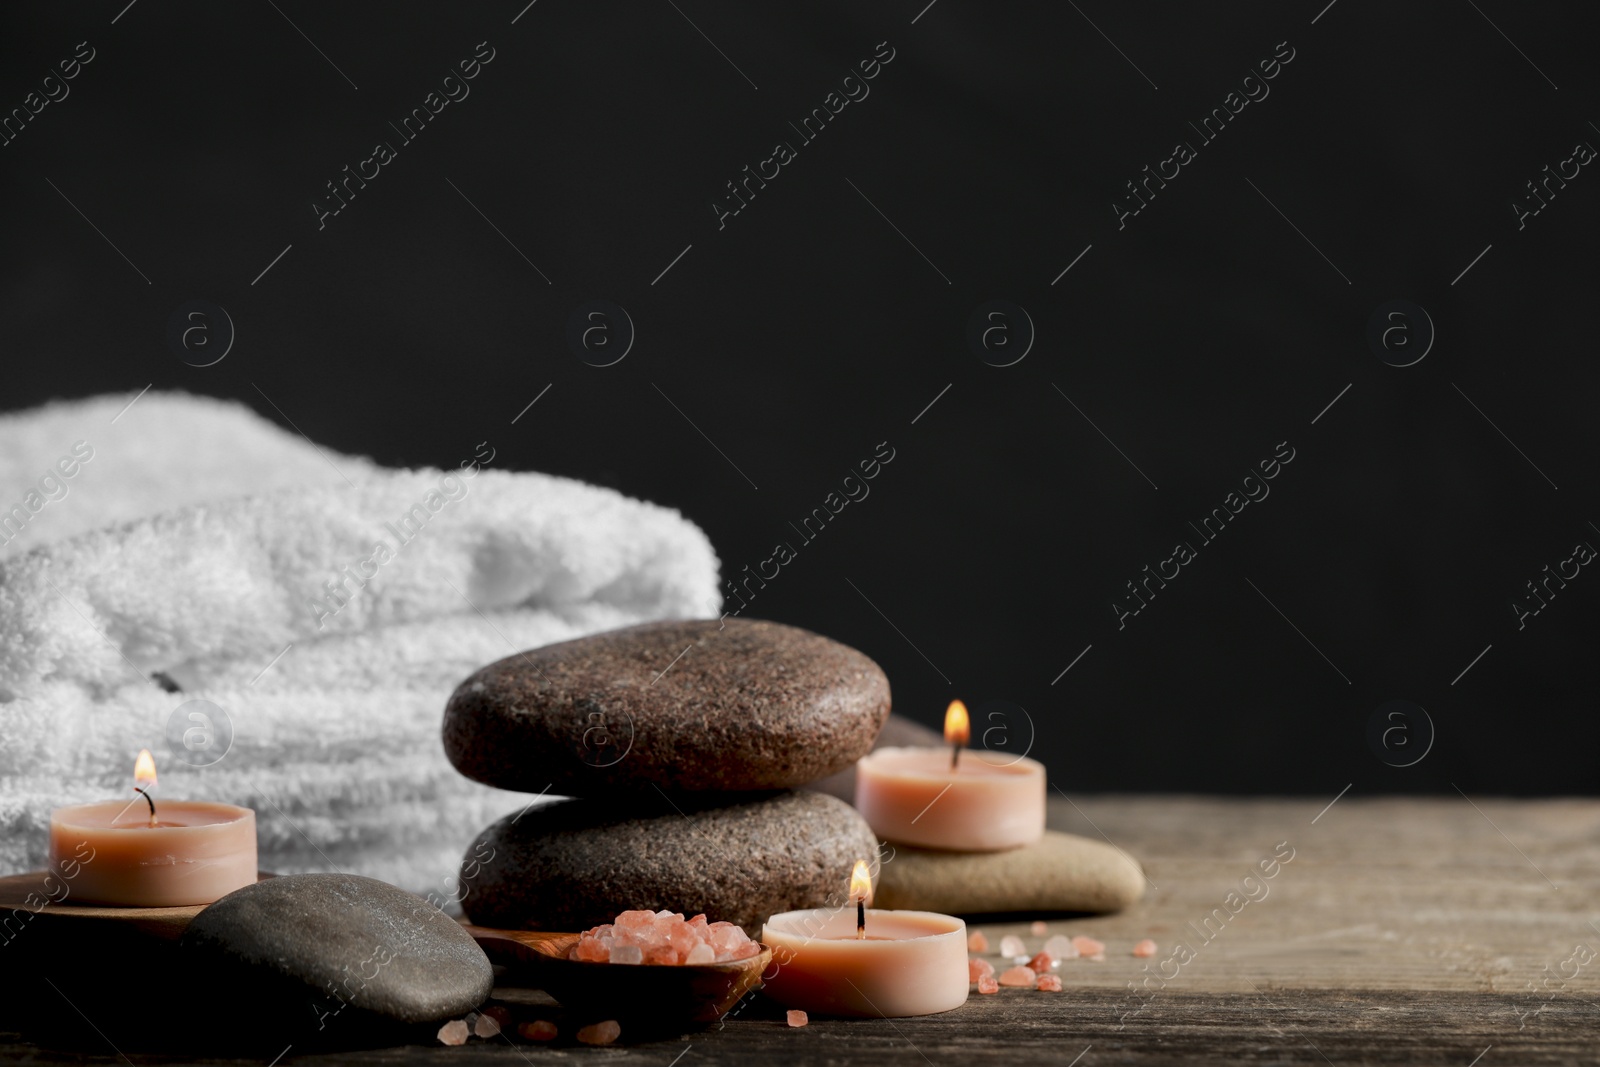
329, 613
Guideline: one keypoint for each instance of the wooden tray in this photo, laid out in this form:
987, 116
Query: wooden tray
71, 924
699, 994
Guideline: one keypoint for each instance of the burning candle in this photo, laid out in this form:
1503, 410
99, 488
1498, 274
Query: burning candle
866, 963
141, 854
970, 801
861, 892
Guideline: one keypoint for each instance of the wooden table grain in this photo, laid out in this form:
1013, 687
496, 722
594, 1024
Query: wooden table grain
1446, 930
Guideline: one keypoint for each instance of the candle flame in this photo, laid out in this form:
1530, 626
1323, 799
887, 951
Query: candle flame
861, 883
144, 770
957, 726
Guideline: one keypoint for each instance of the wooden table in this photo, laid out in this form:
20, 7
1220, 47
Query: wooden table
1440, 931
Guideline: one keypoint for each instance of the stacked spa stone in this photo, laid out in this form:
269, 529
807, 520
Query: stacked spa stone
683, 747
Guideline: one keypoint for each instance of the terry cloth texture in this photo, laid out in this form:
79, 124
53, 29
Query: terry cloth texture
328, 612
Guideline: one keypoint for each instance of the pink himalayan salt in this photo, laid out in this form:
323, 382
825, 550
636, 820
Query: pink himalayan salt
987, 984
1018, 976
978, 969
542, 1030
1145, 949
1088, 946
600, 1033
797, 1018
1048, 983
486, 1026
1061, 947
976, 942
1042, 962
1011, 946
663, 938
1039, 928
454, 1032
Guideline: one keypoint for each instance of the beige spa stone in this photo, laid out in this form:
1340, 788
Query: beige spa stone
1062, 872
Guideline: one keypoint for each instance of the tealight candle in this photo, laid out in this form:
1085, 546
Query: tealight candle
865, 962
190, 852
967, 801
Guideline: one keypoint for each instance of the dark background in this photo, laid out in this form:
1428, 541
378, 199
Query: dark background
808, 330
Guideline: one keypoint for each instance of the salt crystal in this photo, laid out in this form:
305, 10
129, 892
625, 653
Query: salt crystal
683, 938
976, 942
1018, 976
987, 984
1042, 962
1098, 957
590, 949
543, 1030
1145, 948
600, 1033
486, 1026
978, 968
797, 1018
701, 953
627, 954
1061, 947
1088, 946
1011, 945
1039, 928
1048, 983
454, 1032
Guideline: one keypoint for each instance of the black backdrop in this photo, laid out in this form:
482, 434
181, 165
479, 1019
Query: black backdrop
775, 348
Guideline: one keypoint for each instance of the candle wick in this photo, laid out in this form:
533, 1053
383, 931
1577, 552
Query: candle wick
955, 754
148, 800
861, 918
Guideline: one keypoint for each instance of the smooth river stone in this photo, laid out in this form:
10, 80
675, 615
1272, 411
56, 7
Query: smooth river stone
684, 707
334, 949
898, 732
1061, 872
574, 864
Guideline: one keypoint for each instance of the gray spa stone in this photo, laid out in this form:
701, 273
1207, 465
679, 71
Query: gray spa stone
326, 947
574, 864
685, 707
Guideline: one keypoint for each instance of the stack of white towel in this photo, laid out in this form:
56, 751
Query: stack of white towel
327, 605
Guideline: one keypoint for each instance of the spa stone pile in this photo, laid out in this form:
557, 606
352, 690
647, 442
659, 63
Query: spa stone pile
682, 746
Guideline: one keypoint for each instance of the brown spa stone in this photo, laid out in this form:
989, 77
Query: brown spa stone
684, 707
1060, 872
574, 864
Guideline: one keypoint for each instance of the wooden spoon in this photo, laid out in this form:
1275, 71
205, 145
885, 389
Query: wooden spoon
699, 993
